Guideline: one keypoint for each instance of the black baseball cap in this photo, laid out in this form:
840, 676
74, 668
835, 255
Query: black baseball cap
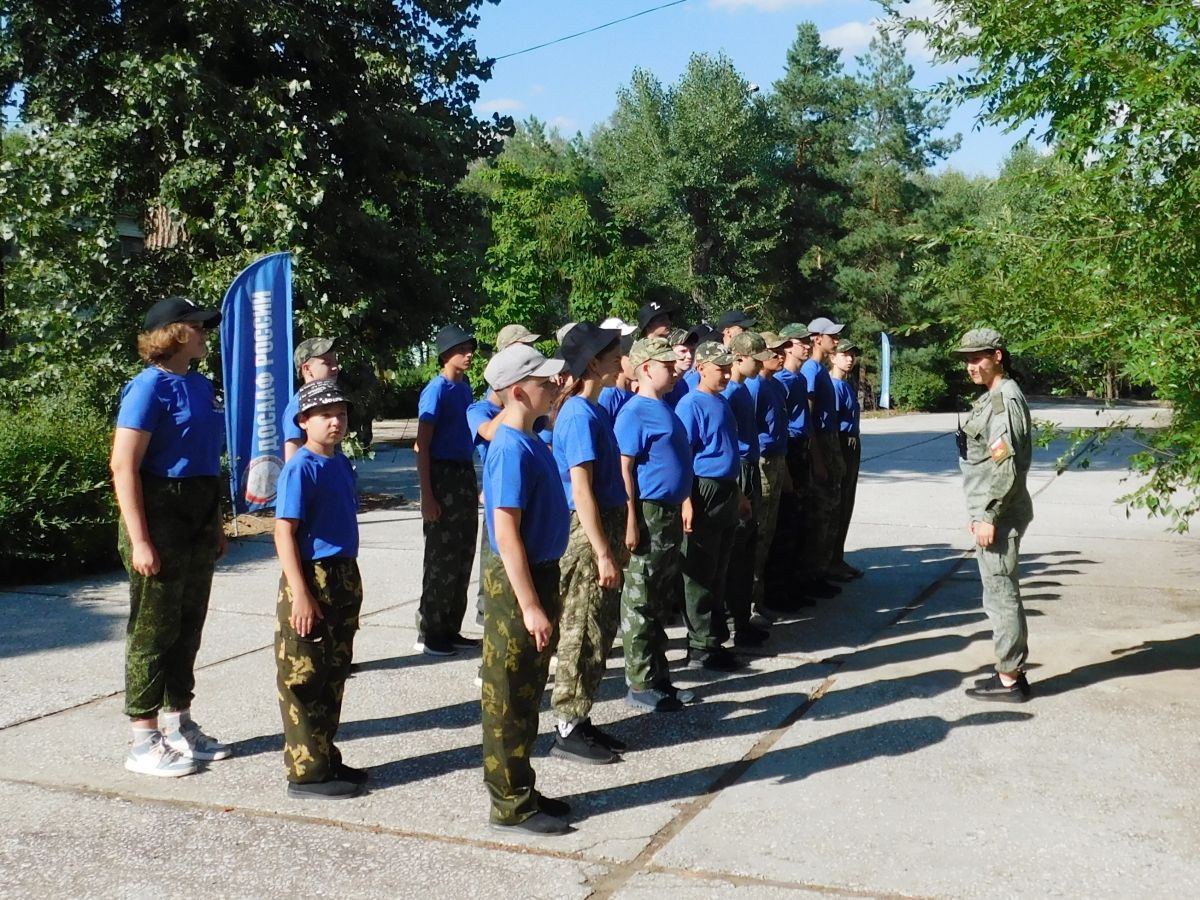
170, 310
655, 308
735, 317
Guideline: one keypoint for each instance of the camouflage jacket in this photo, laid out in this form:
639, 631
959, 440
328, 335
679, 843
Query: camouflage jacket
999, 450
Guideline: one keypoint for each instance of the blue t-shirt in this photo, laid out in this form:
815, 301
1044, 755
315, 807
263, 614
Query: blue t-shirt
478, 413
318, 491
679, 391
691, 377
820, 389
770, 414
583, 433
521, 474
613, 399
444, 403
796, 389
649, 431
292, 431
185, 422
741, 401
848, 412
712, 433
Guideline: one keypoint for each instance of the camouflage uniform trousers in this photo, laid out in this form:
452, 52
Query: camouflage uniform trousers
648, 595
784, 562
739, 576
852, 460
311, 671
167, 610
706, 560
449, 549
514, 677
485, 553
999, 570
824, 501
771, 469
590, 615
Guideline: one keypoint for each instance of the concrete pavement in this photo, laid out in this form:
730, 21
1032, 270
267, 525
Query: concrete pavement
844, 762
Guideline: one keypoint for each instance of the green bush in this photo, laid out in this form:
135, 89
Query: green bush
56, 499
915, 387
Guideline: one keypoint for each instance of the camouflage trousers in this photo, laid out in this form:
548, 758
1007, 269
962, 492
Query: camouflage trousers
785, 567
649, 592
449, 549
772, 469
311, 671
706, 560
851, 460
167, 610
590, 615
825, 498
999, 570
485, 553
514, 677
739, 575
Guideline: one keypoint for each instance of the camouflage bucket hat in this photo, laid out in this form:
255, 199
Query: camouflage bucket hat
750, 343
712, 352
651, 348
980, 340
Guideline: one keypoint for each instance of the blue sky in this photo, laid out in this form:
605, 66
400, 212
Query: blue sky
573, 85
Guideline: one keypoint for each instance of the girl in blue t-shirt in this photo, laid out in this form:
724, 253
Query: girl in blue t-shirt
166, 463
589, 465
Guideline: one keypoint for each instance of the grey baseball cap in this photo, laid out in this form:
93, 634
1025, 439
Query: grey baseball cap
517, 362
979, 340
823, 325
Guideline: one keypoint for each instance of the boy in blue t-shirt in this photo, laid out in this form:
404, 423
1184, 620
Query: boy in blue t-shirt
845, 358
316, 360
717, 504
656, 463
320, 597
449, 496
770, 398
528, 523
825, 494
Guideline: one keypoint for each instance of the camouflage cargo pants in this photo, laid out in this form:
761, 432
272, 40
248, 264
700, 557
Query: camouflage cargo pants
851, 461
167, 610
739, 576
449, 549
590, 615
649, 593
825, 498
706, 560
514, 677
999, 570
311, 671
485, 553
771, 468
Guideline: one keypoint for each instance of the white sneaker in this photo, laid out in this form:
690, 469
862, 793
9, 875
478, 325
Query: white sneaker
191, 742
154, 757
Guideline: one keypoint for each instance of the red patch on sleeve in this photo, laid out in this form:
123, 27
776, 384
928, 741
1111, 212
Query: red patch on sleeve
999, 450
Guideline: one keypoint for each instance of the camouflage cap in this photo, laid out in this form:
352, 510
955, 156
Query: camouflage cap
320, 393
978, 340
311, 349
794, 331
515, 334
847, 347
712, 352
677, 336
773, 340
750, 343
651, 348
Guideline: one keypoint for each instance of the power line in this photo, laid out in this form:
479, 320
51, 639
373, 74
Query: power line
568, 37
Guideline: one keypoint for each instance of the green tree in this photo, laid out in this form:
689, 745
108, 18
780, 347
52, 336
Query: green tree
229, 130
694, 166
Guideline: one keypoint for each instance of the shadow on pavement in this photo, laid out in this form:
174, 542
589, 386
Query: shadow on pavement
1147, 658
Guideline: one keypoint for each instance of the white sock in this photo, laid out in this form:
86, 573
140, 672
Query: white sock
565, 728
142, 735
172, 719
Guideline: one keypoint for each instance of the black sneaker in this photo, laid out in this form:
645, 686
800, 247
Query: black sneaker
432, 646
580, 747
603, 738
823, 589
653, 700
344, 772
329, 789
458, 642
560, 809
539, 823
992, 688
718, 659
749, 635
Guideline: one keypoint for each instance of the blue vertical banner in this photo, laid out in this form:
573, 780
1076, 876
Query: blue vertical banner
885, 371
256, 358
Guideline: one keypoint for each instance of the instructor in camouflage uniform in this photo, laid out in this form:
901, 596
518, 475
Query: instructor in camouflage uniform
995, 451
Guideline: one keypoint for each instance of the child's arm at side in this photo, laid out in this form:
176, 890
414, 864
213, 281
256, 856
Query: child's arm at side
305, 610
431, 511
507, 522
629, 475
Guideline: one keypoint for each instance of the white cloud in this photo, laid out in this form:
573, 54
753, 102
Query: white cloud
762, 5
565, 124
500, 105
851, 37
